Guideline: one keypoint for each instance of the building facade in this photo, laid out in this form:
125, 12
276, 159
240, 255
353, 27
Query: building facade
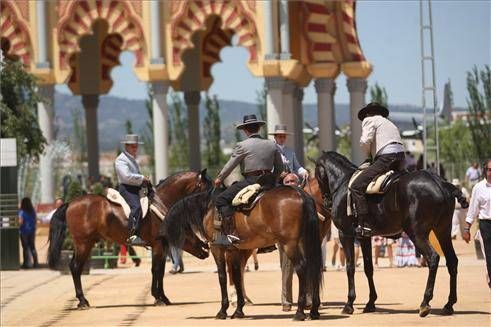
175, 42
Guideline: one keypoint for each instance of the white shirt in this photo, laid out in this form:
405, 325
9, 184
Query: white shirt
473, 173
480, 205
378, 132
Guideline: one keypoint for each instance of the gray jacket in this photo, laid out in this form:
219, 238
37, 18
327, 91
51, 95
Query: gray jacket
128, 170
254, 153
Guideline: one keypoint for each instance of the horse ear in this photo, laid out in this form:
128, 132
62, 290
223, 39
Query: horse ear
203, 172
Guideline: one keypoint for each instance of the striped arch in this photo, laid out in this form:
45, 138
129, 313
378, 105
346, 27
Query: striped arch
347, 22
14, 29
320, 44
78, 20
190, 16
213, 43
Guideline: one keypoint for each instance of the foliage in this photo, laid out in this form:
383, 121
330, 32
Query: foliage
74, 190
147, 135
18, 109
179, 147
128, 127
211, 131
344, 142
261, 101
479, 103
379, 94
97, 188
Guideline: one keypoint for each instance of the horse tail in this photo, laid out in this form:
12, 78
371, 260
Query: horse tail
57, 232
459, 196
310, 235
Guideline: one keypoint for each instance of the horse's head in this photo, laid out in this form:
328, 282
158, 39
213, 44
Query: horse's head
195, 246
181, 184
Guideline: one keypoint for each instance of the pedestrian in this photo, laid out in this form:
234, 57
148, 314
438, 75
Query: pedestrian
337, 247
458, 219
480, 207
177, 263
473, 175
405, 252
27, 223
46, 219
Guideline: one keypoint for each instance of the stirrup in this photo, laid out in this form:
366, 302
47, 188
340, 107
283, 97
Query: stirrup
135, 240
221, 240
233, 239
363, 232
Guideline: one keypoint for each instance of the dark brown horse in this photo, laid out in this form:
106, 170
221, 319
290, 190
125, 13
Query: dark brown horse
284, 215
418, 203
90, 218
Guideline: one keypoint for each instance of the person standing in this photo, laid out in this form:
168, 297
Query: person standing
458, 219
130, 182
473, 175
480, 207
258, 158
27, 223
381, 140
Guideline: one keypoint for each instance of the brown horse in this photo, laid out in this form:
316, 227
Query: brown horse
284, 215
90, 218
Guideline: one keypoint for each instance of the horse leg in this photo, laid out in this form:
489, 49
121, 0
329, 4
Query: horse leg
158, 270
237, 278
433, 259
366, 248
300, 269
219, 255
348, 248
82, 253
452, 263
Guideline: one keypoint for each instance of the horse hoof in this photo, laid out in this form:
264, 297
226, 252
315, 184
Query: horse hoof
447, 310
238, 315
221, 315
166, 300
159, 303
347, 310
315, 315
299, 316
369, 308
83, 306
424, 310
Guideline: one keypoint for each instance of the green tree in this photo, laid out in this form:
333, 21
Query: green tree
147, 135
179, 147
212, 134
18, 109
128, 126
479, 103
261, 102
378, 94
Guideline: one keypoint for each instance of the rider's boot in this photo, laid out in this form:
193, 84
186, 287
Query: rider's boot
135, 239
363, 230
223, 236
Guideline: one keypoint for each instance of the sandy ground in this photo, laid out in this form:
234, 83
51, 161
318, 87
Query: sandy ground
121, 297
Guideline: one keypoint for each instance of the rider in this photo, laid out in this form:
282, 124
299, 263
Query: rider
258, 158
130, 182
380, 140
288, 156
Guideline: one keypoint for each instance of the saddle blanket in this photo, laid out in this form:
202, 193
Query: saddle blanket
115, 197
375, 186
244, 195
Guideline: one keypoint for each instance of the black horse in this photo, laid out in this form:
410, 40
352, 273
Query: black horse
418, 203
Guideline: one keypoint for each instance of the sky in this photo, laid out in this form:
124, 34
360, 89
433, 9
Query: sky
389, 33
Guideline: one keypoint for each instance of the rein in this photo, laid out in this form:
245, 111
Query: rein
328, 197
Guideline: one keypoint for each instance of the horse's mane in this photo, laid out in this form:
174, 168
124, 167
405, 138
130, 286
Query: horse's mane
339, 161
186, 215
170, 179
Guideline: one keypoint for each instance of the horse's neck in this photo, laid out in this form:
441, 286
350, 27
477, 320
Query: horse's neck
171, 193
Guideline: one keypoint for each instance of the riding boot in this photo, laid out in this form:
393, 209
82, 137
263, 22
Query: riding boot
364, 229
229, 229
219, 237
135, 239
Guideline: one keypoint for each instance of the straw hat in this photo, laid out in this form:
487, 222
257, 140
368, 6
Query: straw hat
131, 139
280, 129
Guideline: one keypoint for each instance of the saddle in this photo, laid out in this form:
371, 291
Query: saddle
247, 198
115, 197
378, 186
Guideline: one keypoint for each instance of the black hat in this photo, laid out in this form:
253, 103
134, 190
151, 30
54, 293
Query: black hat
250, 120
373, 108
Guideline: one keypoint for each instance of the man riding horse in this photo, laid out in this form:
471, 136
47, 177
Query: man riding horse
258, 158
130, 183
380, 139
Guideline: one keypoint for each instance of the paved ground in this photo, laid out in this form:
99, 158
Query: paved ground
121, 297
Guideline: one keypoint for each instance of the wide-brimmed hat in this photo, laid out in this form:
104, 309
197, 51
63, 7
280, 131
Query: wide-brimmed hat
373, 108
131, 139
280, 129
456, 182
250, 120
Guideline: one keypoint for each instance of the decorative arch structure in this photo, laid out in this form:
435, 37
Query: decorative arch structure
76, 20
15, 30
187, 17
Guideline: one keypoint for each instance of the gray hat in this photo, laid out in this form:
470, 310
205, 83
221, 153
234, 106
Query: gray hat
280, 129
250, 120
131, 139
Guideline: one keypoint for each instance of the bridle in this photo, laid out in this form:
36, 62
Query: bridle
327, 197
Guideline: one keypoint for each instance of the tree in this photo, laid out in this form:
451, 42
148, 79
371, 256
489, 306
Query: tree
179, 148
147, 135
128, 126
378, 94
479, 103
211, 131
18, 109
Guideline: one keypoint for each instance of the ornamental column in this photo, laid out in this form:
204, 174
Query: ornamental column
284, 31
274, 101
269, 53
326, 119
90, 103
46, 118
287, 114
298, 124
192, 99
357, 88
160, 129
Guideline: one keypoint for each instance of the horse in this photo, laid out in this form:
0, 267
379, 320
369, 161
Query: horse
284, 215
418, 203
92, 217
